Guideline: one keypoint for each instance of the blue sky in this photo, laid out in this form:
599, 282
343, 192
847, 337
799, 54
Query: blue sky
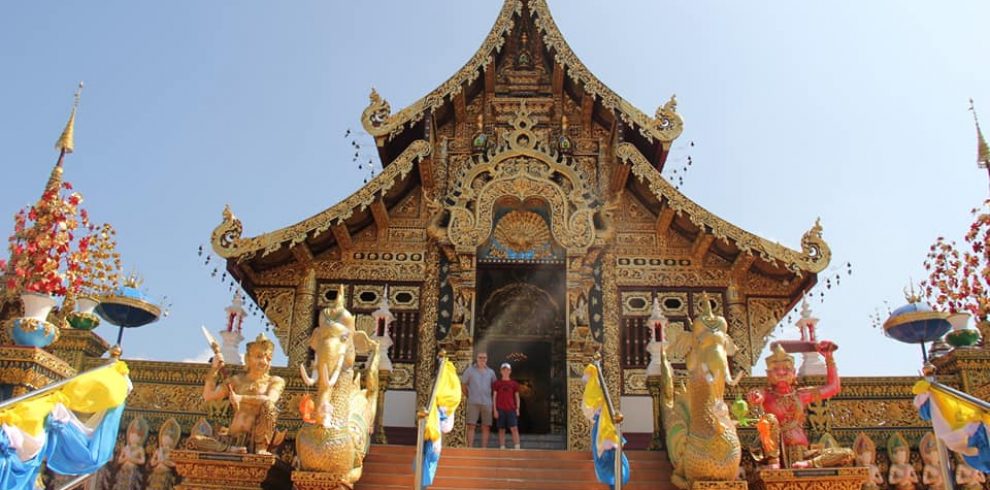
852, 111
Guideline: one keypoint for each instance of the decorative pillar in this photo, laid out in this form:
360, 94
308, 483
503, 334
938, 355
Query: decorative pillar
427, 340
383, 319
654, 380
304, 306
740, 330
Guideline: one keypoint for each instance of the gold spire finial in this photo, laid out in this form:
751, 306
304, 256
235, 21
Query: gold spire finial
982, 150
65, 142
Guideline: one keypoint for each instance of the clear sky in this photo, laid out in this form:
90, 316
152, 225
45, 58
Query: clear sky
852, 111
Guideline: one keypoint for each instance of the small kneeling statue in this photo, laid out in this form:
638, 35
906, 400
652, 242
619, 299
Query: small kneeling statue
253, 395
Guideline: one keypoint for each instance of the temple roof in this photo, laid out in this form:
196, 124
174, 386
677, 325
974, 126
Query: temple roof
412, 150
378, 120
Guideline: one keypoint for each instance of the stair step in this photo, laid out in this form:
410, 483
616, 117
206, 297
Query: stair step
396, 463
390, 467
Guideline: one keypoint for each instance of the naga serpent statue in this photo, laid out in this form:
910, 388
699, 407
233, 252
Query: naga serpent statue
336, 435
701, 437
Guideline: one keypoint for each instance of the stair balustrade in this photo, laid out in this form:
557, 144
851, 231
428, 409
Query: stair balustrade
616, 419
421, 415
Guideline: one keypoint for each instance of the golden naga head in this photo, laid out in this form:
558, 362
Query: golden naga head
337, 312
261, 342
779, 357
708, 318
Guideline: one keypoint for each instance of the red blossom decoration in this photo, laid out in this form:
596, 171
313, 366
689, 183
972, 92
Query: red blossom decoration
959, 275
43, 248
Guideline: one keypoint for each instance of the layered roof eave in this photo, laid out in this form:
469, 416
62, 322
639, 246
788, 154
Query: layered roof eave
229, 244
378, 120
813, 257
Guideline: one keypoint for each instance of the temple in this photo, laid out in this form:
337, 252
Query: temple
521, 212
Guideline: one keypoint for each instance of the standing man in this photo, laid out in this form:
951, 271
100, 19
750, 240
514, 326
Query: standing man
477, 382
506, 394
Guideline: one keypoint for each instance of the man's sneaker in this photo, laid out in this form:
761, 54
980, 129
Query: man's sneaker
501, 447
517, 446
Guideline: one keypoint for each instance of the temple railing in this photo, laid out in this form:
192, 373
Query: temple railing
616, 419
421, 415
935, 385
77, 482
50, 388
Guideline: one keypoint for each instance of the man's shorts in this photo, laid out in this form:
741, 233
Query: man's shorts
507, 419
475, 410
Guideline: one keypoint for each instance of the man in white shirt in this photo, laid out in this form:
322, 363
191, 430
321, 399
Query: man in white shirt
477, 382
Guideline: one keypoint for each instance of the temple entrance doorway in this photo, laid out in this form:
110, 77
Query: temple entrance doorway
521, 320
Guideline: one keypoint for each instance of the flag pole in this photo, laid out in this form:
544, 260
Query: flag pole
943, 453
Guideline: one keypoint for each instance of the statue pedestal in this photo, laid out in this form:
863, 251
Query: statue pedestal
850, 478
25, 369
812, 365
719, 485
316, 480
202, 471
654, 384
76, 346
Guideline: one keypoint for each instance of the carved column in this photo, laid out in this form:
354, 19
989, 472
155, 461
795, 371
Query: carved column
302, 318
611, 360
738, 320
579, 348
427, 341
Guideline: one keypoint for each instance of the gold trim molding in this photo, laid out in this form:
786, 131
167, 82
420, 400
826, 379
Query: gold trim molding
814, 256
227, 240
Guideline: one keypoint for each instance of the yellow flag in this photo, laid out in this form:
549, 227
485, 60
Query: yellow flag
594, 401
91, 392
448, 397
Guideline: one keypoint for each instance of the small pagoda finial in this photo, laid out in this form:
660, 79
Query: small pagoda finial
910, 295
982, 150
66, 142
564, 123
805, 308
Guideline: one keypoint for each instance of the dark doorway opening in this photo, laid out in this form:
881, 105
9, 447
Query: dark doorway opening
521, 320
531, 367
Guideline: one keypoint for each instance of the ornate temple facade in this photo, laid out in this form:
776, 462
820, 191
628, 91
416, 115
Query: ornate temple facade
522, 211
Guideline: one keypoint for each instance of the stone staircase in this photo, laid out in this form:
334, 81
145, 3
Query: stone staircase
527, 441
391, 468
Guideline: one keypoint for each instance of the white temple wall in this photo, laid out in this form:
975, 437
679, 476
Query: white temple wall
638, 413
400, 409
